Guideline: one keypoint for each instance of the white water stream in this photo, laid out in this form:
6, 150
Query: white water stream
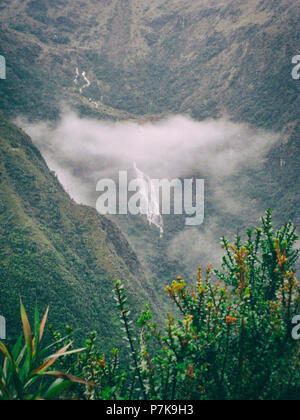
152, 199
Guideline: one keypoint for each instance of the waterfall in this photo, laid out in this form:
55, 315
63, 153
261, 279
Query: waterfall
151, 197
86, 80
76, 76
88, 83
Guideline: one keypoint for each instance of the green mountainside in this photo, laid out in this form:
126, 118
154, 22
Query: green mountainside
55, 252
147, 59
204, 58
143, 60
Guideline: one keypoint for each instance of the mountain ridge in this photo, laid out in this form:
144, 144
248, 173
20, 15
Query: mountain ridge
55, 252
205, 59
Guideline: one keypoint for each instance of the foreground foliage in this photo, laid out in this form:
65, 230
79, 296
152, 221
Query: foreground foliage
26, 368
232, 339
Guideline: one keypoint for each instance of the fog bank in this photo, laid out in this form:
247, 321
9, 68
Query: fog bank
82, 151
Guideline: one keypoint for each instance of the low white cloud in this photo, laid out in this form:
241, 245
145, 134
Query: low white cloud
82, 151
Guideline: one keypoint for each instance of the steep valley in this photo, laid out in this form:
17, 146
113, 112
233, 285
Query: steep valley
141, 62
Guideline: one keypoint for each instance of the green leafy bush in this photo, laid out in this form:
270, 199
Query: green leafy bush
231, 341
234, 338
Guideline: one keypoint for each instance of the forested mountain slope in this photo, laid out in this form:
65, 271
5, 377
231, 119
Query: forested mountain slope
55, 252
205, 58
134, 60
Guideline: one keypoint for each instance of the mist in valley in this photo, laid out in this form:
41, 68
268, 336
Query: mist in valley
227, 155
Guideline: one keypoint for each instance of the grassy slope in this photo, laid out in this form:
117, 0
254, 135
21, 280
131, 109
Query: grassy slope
55, 252
146, 59
204, 58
